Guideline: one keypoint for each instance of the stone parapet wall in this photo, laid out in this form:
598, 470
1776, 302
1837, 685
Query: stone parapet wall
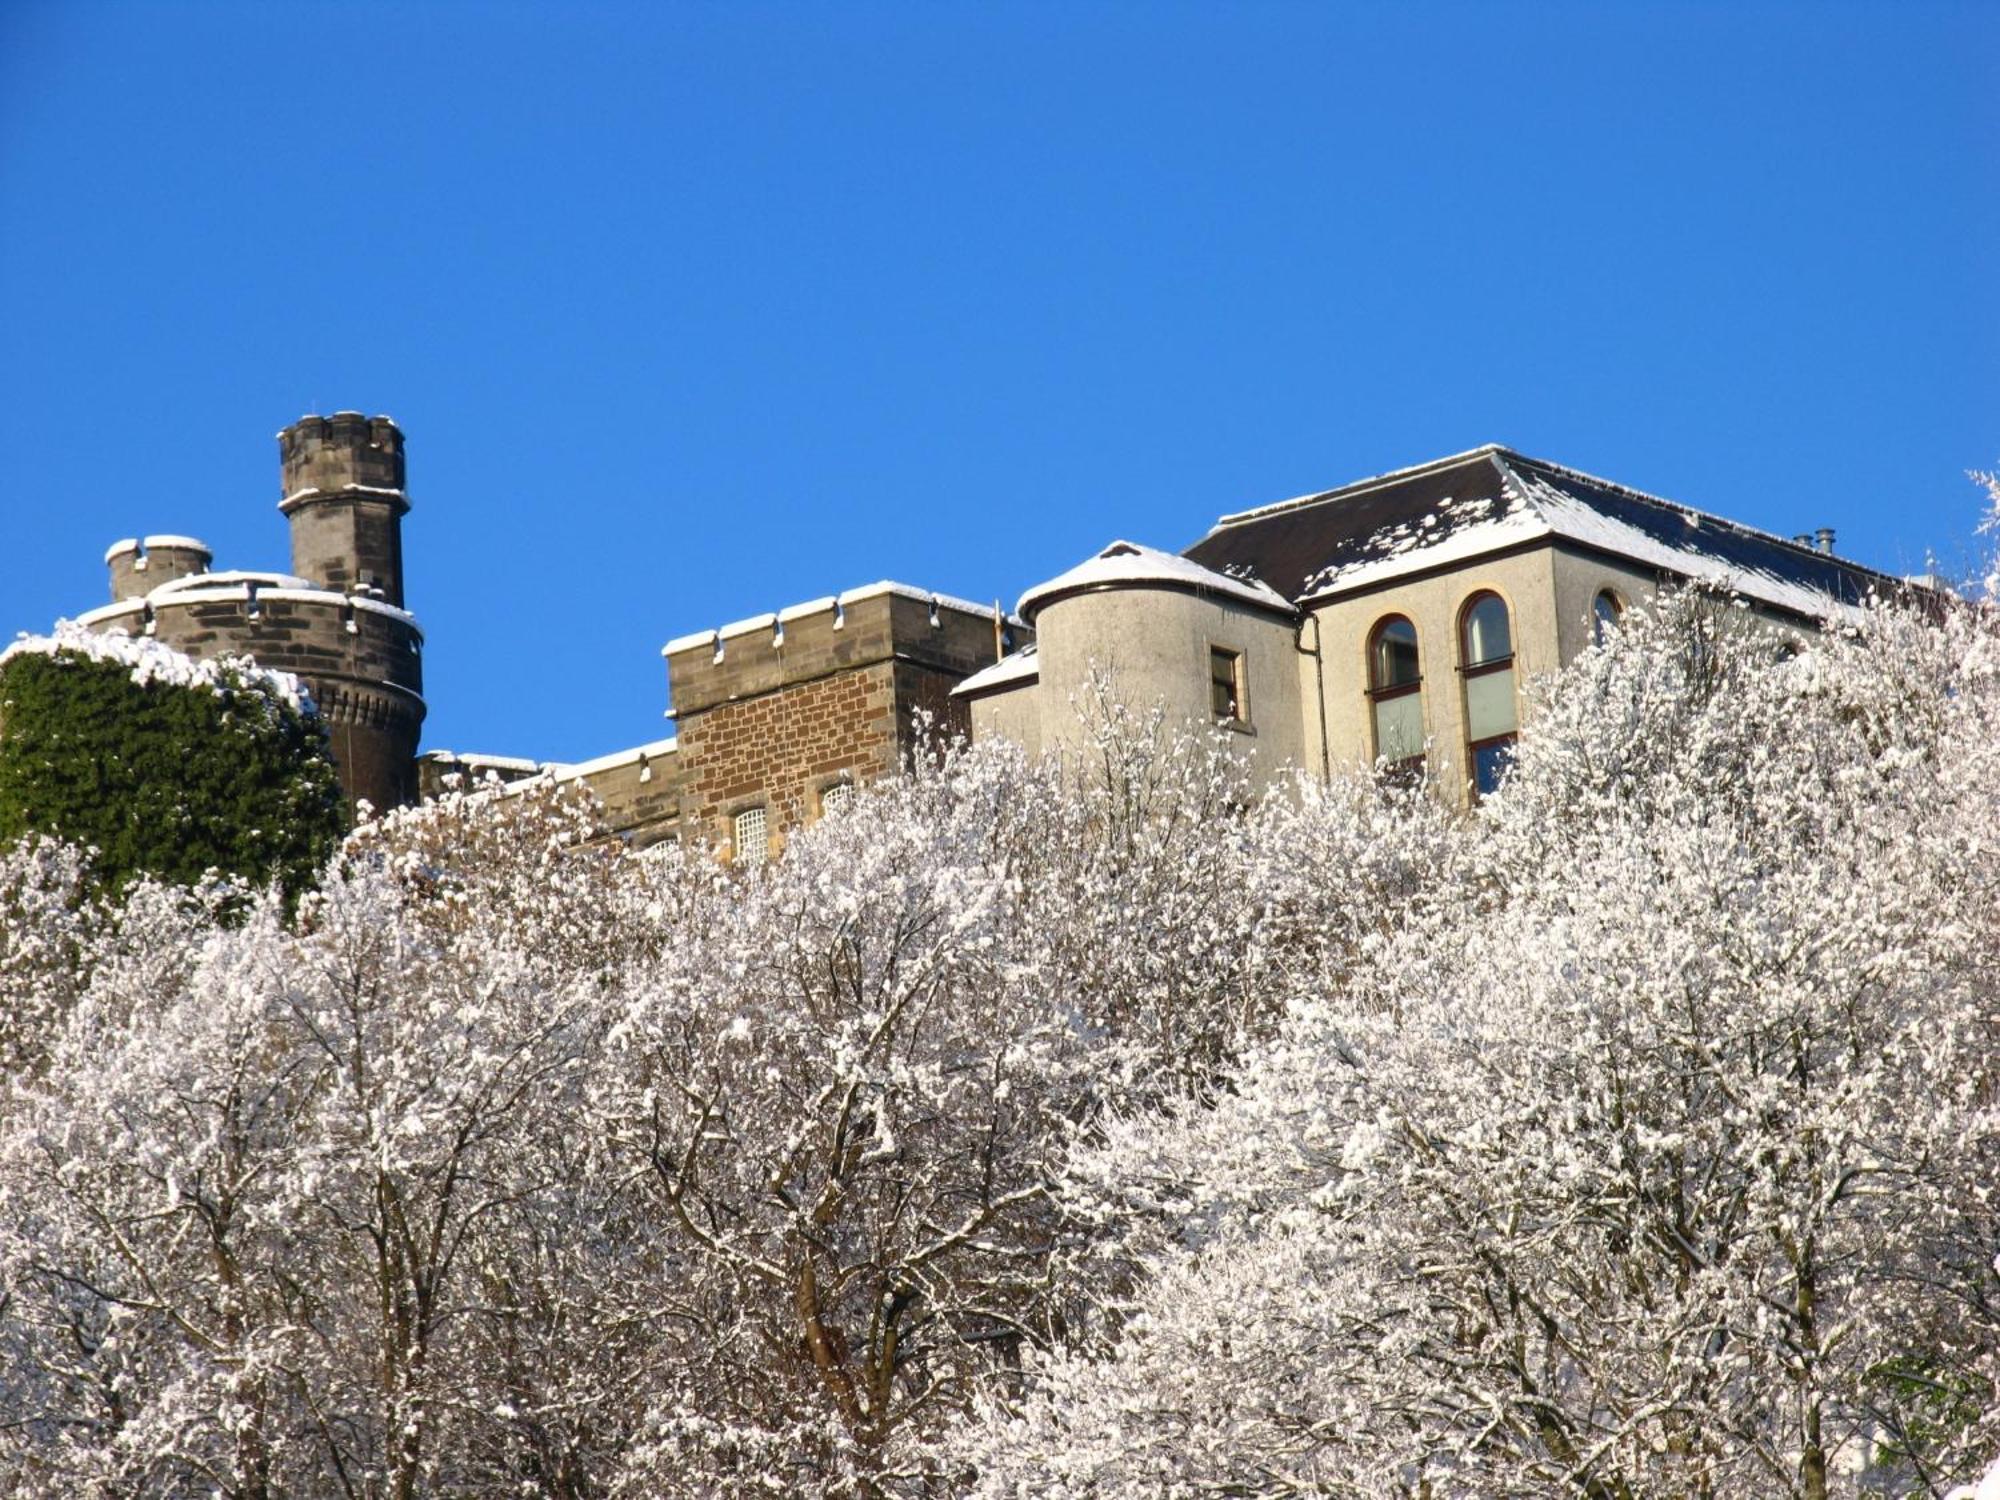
362, 664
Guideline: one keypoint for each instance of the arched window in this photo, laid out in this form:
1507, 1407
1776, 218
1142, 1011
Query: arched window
1486, 663
1395, 682
1604, 612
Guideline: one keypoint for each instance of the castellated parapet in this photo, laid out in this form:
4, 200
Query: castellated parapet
778, 710
336, 620
343, 493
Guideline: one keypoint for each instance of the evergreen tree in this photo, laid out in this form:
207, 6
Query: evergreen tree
163, 765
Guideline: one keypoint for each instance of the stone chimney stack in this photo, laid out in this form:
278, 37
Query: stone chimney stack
343, 480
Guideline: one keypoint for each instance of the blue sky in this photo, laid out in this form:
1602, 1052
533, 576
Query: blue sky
693, 311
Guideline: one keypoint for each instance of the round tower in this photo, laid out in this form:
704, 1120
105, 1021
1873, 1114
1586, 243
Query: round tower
337, 620
137, 568
343, 494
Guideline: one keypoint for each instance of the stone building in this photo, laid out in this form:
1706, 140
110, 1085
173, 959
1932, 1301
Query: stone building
337, 619
1393, 619
781, 715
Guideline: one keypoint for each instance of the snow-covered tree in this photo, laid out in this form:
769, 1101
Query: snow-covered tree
1075, 1128
1649, 1153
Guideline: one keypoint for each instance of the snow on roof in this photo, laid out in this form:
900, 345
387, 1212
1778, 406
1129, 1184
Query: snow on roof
1541, 500
211, 588
1130, 565
150, 661
1354, 486
653, 750
826, 603
476, 759
164, 539
234, 578
1012, 670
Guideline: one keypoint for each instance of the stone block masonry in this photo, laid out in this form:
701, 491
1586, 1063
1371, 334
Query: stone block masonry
775, 710
336, 620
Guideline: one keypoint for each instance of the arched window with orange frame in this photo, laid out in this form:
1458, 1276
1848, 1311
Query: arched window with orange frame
1486, 669
1395, 691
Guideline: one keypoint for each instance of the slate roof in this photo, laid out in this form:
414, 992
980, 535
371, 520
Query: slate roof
1492, 498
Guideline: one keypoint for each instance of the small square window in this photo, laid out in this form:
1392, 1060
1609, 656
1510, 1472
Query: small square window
751, 836
1225, 686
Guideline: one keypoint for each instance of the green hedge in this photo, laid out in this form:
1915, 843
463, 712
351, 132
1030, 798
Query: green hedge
165, 778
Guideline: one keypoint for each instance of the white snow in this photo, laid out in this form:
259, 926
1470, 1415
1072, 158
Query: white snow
1540, 510
751, 626
345, 489
1130, 565
827, 603
573, 771
231, 581
1345, 491
152, 662
169, 539
473, 758
1018, 667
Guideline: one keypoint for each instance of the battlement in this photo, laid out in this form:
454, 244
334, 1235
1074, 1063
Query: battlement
879, 623
343, 479
343, 453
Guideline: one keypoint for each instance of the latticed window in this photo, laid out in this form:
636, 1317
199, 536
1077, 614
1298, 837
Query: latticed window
1486, 661
836, 798
752, 835
1395, 684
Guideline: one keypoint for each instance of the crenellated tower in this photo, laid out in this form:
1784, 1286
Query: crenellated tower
337, 619
343, 478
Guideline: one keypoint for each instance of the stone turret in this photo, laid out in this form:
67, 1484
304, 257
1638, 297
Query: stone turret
343, 479
139, 567
337, 619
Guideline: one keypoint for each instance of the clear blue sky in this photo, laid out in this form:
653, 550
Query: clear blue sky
693, 311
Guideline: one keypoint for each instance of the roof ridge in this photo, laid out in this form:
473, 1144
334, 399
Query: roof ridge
1353, 486
1706, 516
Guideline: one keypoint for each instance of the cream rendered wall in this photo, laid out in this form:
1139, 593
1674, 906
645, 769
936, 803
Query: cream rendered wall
1015, 715
1525, 580
1579, 578
1155, 643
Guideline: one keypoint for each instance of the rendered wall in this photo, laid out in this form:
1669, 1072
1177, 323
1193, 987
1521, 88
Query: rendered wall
1014, 715
1154, 643
1526, 581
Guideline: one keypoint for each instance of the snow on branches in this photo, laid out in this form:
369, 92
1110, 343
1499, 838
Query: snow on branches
1083, 1129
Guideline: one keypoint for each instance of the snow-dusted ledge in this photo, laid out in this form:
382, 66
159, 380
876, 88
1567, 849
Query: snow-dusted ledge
1010, 671
774, 622
1132, 565
150, 661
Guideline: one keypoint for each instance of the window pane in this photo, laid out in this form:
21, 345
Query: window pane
1489, 704
1487, 637
835, 797
752, 840
1490, 764
1399, 727
1224, 700
1604, 614
1393, 663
